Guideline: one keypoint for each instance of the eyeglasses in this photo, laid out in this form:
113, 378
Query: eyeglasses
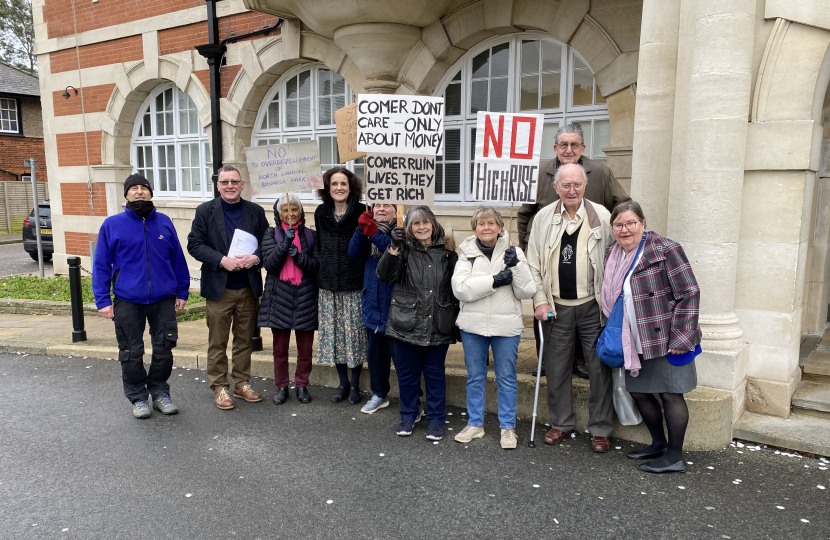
630, 225
224, 183
577, 186
573, 145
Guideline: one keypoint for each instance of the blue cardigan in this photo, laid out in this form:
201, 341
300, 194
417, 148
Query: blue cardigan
377, 295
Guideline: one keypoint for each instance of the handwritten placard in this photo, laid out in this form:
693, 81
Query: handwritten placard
400, 179
508, 148
392, 124
283, 168
346, 120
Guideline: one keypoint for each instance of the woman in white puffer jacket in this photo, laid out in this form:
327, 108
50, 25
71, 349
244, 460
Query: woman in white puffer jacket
490, 280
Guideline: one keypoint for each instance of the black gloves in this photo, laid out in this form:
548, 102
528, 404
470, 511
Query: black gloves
511, 258
397, 235
289, 236
292, 250
505, 277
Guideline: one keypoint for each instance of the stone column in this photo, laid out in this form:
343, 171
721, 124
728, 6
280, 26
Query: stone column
706, 219
379, 50
654, 117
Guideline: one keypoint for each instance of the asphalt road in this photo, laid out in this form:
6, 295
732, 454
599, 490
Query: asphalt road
13, 260
75, 464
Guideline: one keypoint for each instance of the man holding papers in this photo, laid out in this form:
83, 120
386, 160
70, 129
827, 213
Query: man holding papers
225, 237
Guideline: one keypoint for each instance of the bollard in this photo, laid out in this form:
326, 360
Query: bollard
77, 299
256, 341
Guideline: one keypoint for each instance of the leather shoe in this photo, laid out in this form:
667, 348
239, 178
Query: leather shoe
600, 444
354, 396
680, 466
247, 393
580, 371
302, 395
223, 399
340, 393
533, 373
281, 396
641, 454
554, 436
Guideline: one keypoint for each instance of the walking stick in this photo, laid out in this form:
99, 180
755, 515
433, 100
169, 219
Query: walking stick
531, 444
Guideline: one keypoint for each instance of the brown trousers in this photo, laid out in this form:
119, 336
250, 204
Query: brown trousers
236, 310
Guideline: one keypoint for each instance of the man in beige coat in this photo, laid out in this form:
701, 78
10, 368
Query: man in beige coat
566, 255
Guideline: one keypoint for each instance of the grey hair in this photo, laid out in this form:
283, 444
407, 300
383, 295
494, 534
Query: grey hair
573, 127
418, 213
584, 174
625, 206
228, 168
288, 198
484, 212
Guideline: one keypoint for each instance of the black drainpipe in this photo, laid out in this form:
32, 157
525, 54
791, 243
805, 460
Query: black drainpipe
214, 52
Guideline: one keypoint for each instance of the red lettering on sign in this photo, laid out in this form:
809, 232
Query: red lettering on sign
490, 136
516, 119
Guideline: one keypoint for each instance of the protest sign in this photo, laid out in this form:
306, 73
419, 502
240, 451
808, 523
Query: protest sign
346, 120
508, 148
400, 179
392, 124
283, 168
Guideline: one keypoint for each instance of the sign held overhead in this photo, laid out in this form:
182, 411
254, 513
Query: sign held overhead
508, 148
400, 179
283, 168
346, 120
393, 124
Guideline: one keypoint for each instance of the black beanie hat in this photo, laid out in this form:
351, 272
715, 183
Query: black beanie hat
136, 180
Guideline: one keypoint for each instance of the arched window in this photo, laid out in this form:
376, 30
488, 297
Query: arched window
519, 73
300, 107
169, 146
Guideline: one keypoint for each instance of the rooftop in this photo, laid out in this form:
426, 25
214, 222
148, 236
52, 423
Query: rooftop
16, 81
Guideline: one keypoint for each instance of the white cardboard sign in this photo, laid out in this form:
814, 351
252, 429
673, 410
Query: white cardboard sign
284, 168
400, 179
398, 124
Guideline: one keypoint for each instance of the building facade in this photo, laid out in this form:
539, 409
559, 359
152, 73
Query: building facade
21, 124
715, 114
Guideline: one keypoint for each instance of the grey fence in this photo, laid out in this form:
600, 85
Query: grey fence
18, 203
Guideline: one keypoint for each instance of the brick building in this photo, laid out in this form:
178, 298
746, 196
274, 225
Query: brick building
714, 114
21, 124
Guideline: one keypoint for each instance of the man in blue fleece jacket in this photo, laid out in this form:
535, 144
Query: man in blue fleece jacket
138, 257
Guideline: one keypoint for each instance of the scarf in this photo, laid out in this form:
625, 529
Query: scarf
385, 228
142, 208
486, 250
612, 284
290, 271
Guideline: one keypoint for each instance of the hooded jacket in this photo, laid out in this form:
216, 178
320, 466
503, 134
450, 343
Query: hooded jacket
141, 259
338, 271
423, 308
377, 295
286, 306
484, 310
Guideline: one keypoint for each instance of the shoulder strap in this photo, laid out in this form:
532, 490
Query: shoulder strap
278, 234
309, 238
639, 249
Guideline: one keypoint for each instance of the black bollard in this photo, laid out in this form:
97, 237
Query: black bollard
256, 341
77, 299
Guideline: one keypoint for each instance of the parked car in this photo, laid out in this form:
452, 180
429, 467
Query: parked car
29, 235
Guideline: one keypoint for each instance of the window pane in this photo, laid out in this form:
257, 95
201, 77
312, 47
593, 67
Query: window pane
145, 128
457, 76
291, 88
324, 82
184, 123
498, 95
452, 178
291, 114
481, 65
168, 99
478, 100
530, 93
530, 56
599, 99
305, 112
501, 60
452, 99
274, 114
324, 113
602, 137
339, 103
338, 84
551, 56
305, 84
583, 87
326, 158
548, 138
452, 145
550, 90
439, 175
586, 131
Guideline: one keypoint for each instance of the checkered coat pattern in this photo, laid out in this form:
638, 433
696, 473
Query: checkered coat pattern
666, 298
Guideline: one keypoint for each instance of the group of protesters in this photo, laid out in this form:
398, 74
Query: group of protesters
381, 294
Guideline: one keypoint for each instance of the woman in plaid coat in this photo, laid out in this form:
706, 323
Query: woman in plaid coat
660, 331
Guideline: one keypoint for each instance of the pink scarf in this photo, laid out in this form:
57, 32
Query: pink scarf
612, 285
291, 272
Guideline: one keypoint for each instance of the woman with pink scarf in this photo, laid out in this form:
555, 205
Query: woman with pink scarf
660, 332
290, 254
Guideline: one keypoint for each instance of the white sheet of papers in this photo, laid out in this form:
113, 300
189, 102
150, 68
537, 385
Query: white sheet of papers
243, 243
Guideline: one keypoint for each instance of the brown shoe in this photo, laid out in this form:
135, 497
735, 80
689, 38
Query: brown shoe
247, 393
554, 436
223, 399
600, 444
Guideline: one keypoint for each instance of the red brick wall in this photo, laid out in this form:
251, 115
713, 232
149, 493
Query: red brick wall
242, 23
72, 150
226, 77
98, 54
77, 243
95, 100
57, 14
75, 200
14, 150
182, 38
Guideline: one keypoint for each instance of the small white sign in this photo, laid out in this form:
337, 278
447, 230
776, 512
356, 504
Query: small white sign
393, 124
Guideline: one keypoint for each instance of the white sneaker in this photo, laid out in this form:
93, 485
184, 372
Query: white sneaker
469, 433
508, 439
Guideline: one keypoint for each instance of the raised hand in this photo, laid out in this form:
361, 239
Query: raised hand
367, 224
398, 235
511, 258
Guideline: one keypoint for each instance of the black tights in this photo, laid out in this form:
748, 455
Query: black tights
676, 414
343, 373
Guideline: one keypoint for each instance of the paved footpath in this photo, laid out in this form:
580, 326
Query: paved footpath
75, 464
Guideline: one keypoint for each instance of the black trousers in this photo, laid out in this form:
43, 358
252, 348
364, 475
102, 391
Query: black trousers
129, 332
379, 358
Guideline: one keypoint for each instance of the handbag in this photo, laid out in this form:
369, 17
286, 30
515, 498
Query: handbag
624, 405
609, 343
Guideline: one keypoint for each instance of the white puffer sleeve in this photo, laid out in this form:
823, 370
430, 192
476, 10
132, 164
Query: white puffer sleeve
523, 285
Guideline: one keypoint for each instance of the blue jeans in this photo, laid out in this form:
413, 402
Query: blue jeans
505, 352
412, 361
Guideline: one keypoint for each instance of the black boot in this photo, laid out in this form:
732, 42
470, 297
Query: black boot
281, 396
302, 395
354, 396
340, 393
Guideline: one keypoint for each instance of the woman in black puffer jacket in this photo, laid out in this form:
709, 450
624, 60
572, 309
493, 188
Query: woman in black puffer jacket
291, 255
